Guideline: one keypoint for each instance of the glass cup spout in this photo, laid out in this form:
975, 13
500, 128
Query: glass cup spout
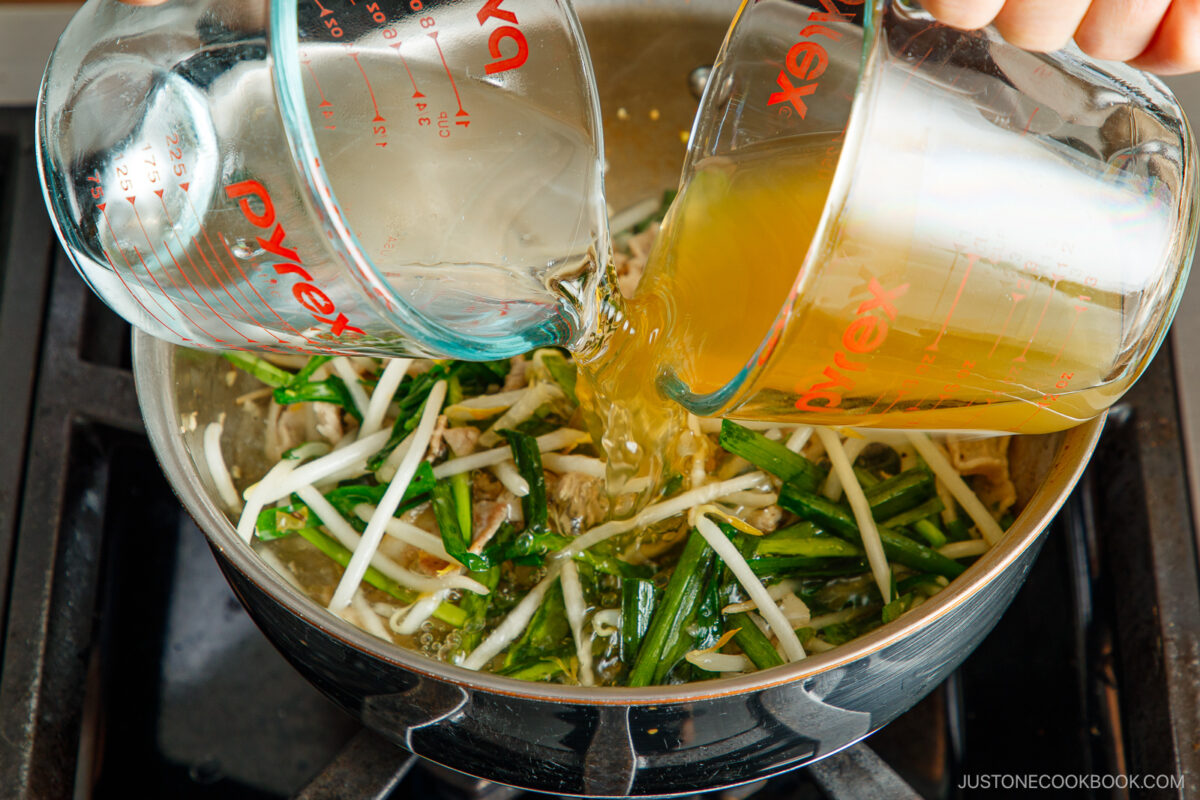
330, 178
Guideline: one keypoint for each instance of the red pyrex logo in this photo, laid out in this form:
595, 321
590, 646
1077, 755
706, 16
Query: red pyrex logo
492, 9
308, 295
864, 335
807, 58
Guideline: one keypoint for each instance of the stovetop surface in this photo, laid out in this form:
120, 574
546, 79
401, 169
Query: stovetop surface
126, 663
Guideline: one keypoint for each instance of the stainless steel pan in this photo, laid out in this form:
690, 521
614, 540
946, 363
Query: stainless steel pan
612, 742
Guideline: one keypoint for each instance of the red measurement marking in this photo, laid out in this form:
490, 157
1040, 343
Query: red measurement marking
879, 398
919, 374
167, 272
1029, 121
200, 275
103, 210
1041, 317
370, 91
325, 12
324, 102
900, 395
382, 295
445, 66
1017, 297
187, 254
946, 58
971, 259
933, 26
284, 322
1051, 397
245, 314
416, 92
163, 292
916, 66
336, 208
1079, 309
133, 272
1021, 425
253, 318
983, 405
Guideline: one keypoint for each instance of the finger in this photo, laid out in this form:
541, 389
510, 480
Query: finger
1175, 48
143, 2
1118, 30
965, 14
1040, 24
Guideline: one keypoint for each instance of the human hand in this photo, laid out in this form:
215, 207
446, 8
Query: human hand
1160, 36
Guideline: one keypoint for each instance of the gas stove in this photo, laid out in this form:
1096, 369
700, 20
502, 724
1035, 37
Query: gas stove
127, 665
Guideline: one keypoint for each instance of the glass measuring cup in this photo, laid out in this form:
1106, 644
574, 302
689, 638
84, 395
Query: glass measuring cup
402, 176
937, 229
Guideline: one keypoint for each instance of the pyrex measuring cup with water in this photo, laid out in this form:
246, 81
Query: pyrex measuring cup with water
928, 227
402, 176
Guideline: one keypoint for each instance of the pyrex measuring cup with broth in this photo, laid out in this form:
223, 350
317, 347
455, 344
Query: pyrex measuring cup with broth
402, 176
887, 222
